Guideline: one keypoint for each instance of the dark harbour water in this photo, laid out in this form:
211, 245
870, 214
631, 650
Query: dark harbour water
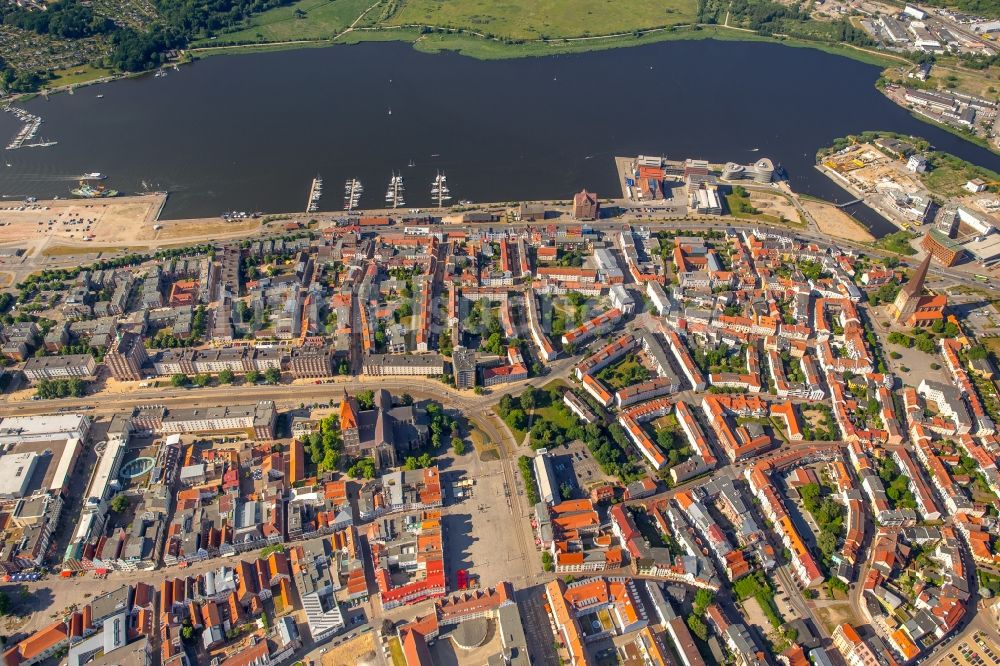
250, 132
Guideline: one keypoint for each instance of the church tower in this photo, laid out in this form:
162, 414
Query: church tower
909, 296
349, 426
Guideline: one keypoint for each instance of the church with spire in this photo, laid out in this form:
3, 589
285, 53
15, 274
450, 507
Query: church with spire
385, 433
911, 308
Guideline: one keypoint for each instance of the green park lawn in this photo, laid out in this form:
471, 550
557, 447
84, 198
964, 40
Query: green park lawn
534, 19
734, 201
305, 19
396, 652
556, 413
951, 173
77, 75
514, 19
625, 373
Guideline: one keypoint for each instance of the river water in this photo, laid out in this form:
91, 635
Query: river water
249, 132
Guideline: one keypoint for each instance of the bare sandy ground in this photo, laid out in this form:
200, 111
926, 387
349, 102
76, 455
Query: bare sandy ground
117, 221
359, 650
774, 204
835, 222
69, 226
202, 229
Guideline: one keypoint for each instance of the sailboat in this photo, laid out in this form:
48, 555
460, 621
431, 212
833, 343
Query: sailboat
352, 193
439, 189
394, 194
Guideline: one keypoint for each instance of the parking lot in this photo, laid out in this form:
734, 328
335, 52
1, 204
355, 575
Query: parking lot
974, 311
575, 465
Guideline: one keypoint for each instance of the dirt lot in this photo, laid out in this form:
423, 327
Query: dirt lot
86, 250
65, 227
865, 166
208, 228
755, 616
774, 204
835, 222
832, 614
360, 650
858, 157
115, 221
895, 171
813, 417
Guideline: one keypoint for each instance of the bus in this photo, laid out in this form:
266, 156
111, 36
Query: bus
981, 278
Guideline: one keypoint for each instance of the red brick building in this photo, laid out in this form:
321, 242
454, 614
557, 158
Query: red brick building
585, 205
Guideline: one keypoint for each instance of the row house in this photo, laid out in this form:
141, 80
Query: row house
874, 489
949, 402
647, 390
214, 361
915, 479
804, 565
741, 441
631, 420
734, 562
607, 355
954, 498
950, 350
702, 458
597, 326
687, 365
543, 345
59, 367
597, 390
980, 540
657, 355
985, 460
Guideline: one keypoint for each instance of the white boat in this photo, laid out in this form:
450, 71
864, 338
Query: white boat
315, 192
439, 189
93, 175
394, 194
26, 135
352, 193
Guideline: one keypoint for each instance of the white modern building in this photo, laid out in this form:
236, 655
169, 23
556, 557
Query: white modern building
16, 470
546, 479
